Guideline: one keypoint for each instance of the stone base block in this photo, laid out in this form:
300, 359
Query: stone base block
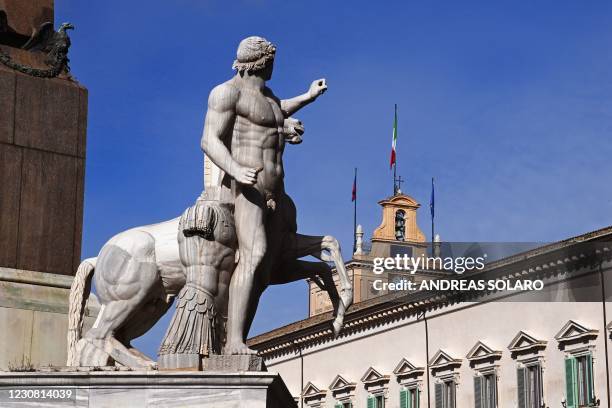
33, 318
140, 389
216, 363
233, 363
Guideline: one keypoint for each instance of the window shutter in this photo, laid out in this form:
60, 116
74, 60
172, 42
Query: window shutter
404, 399
590, 380
540, 389
570, 383
338, 405
438, 391
477, 391
520, 386
451, 390
371, 402
494, 390
417, 402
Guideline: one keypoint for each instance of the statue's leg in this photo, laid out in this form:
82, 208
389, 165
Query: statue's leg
245, 287
222, 303
327, 248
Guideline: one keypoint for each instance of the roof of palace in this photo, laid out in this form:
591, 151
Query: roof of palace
546, 260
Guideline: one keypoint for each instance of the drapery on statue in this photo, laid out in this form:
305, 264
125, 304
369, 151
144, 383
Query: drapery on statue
218, 258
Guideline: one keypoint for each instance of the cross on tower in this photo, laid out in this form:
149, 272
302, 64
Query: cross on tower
397, 185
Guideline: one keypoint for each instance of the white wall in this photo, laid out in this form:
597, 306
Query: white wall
455, 330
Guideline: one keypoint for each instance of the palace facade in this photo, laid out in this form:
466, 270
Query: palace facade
443, 350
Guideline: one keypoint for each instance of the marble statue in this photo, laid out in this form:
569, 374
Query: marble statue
243, 137
222, 253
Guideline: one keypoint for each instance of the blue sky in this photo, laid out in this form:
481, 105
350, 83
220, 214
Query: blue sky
508, 105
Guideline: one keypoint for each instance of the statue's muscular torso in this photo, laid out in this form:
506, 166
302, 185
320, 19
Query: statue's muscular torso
257, 140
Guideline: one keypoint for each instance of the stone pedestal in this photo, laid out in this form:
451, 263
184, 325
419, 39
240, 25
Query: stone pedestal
43, 124
42, 169
42, 150
140, 389
33, 318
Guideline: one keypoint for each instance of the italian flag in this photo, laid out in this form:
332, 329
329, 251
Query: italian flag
394, 140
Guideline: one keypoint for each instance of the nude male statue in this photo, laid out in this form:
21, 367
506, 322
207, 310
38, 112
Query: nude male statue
243, 136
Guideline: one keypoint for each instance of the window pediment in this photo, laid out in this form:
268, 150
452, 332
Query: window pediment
374, 382
405, 369
575, 332
341, 385
525, 343
442, 360
313, 393
481, 351
373, 376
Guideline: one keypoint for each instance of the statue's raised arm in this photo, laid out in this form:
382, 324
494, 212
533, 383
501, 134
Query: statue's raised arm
290, 106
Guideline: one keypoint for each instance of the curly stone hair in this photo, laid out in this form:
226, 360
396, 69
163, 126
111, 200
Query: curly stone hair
253, 54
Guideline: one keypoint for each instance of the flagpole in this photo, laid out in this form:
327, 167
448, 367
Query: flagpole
355, 214
395, 158
394, 179
432, 209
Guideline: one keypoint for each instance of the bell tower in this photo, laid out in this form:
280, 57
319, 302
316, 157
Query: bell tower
399, 221
398, 232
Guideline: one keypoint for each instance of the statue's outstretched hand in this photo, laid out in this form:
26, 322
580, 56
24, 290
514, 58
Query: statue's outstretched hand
317, 87
246, 175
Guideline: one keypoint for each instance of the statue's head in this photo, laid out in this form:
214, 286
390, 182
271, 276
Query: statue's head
255, 55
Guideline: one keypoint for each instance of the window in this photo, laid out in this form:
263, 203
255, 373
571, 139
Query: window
400, 225
579, 386
485, 391
445, 394
376, 401
409, 398
529, 386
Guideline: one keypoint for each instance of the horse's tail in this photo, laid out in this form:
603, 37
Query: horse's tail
79, 293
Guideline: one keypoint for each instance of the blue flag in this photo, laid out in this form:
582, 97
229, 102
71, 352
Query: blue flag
431, 201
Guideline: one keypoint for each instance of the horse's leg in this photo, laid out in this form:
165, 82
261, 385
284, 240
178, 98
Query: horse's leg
327, 248
101, 337
320, 272
141, 322
126, 274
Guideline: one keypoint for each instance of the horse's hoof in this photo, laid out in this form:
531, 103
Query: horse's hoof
346, 297
153, 366
337, 326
